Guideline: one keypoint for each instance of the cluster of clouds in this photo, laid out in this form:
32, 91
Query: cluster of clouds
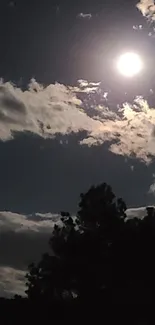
59, 109
23, 239
147, 8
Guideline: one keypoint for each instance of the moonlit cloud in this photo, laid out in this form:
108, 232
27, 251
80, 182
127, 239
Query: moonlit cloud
85, 83
59, 109
85, 86
45, 111
147, 8
130, 130
105, 113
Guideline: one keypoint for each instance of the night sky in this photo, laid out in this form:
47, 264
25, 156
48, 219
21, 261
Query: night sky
68, 119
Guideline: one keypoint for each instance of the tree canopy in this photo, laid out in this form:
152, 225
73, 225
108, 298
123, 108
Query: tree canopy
96, 253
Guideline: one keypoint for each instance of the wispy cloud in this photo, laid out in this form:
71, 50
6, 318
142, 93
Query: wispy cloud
147, 8
85, 86
82, 15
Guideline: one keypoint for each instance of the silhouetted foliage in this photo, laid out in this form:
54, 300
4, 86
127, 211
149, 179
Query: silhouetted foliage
79, 265
98, 255
99, 259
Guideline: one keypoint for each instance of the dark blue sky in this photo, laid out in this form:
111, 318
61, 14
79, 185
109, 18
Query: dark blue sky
45, 40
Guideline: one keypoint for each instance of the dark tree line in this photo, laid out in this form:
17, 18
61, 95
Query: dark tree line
101, 264
97, 256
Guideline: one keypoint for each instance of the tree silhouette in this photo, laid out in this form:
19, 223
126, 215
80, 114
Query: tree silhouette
79, 265
96, 254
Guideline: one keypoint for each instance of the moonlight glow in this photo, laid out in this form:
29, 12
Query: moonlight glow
129, 64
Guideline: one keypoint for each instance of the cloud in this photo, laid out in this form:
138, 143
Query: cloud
137, 27
85, 86
59, 109
23, 239
81, 15
45, 111
152, 189
85, 83
136, 213
27, 223
130, 130
147, 8
152, 186
12, 281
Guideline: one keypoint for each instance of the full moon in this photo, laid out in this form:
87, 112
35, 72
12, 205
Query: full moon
129, 64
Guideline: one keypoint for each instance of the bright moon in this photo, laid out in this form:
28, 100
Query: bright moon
129, 64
